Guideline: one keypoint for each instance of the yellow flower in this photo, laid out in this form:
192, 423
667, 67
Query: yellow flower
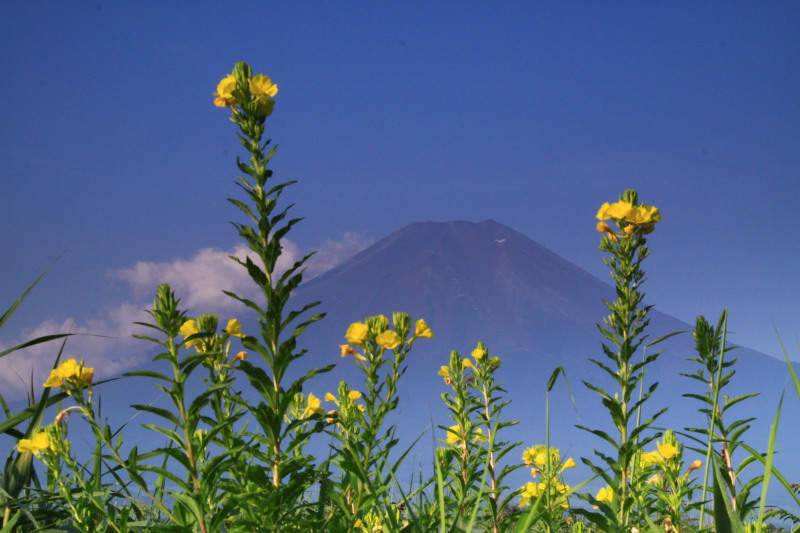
617, 210
644, 214
606, 495
346, 350
478, 353
667, 451
87, 375
188, 329
313, 406
494, 362
696, 465
35, 445
72, 371
569, 463
331, 398
54, 380
466, 363
531, 491
356, 333
540, 458
388, 339
453, 435
261, 85
479, 436
224, 94
234, 328
240, 356
421, 329
354, 395
529, 456
650, 458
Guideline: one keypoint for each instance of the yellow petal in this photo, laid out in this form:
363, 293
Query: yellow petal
54, 380
234, 328
354, 395
667, 451
262, 85
421, 329
388, 339
357, 333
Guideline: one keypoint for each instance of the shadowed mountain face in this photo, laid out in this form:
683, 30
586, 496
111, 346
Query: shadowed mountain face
535, 310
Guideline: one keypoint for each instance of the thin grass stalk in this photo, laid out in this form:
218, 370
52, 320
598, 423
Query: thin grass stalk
714, 409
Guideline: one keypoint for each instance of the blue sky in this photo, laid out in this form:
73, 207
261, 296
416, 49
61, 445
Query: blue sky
529, 113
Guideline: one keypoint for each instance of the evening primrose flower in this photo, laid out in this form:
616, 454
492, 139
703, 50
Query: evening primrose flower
650, 458
354, 395
241, 356
494, 362
531, 491
606, 495
357, 333
696, 465
188, 329
667, 451
261, 85
312, 406
71, 371
617, 210
569, 463
234, 328
478, 353
224, 94
389, 339
35, 445
644, 214
529, 456
348, 350
421, 329
466, 363
453, 435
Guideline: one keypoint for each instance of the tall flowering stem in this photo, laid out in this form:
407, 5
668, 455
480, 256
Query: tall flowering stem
471, 457
365, 438
250, 101
624, 328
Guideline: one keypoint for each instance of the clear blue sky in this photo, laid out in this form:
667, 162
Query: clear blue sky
530, 113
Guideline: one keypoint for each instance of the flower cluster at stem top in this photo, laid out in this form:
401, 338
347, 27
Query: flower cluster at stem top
360, 334
628, 217
546, 467
258, 90
70, 375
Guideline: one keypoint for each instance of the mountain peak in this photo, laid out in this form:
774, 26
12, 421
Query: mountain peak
464, 276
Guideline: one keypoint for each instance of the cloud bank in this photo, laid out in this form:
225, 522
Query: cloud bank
198, 281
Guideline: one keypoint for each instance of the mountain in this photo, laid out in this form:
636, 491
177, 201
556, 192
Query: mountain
534, 309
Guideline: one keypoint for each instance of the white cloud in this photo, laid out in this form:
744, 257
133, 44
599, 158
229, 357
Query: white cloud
106, 342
